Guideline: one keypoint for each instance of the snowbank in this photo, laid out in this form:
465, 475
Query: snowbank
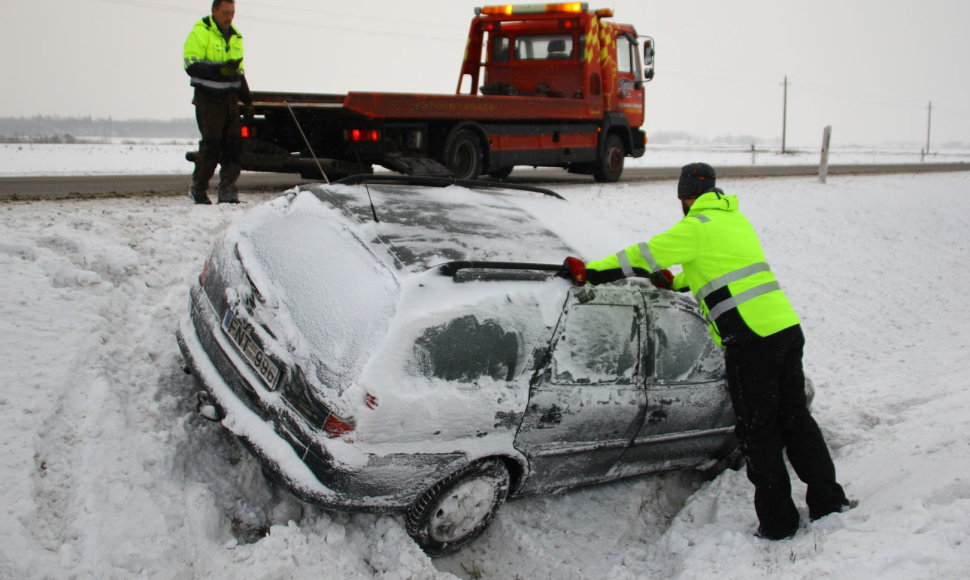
110, 473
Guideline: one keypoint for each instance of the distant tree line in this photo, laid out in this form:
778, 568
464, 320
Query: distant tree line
55, 129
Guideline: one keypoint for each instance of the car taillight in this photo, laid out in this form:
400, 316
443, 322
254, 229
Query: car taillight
205, 272
336, 426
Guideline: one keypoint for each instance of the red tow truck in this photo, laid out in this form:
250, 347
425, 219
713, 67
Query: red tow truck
560, 86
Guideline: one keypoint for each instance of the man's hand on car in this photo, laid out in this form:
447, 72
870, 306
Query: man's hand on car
663, 279
574, 269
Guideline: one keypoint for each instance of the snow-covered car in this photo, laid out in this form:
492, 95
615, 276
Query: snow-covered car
408, 345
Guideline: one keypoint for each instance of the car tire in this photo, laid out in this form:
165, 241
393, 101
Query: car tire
459, 508
609, 167
463, 155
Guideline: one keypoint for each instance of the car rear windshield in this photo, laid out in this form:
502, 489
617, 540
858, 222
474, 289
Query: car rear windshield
335, 296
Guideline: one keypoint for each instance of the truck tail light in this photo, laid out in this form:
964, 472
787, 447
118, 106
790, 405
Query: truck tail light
336, 426
245, 132
362, 135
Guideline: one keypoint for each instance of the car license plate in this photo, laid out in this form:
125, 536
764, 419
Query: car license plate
259, 360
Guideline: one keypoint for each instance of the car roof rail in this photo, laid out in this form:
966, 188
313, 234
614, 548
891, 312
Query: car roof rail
453, 268
433, 181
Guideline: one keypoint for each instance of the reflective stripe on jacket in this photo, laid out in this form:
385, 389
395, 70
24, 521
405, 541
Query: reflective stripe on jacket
205, 54
723, 266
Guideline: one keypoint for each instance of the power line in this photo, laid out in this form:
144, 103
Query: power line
300, 23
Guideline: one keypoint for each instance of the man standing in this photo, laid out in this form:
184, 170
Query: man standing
751, 318
213, 58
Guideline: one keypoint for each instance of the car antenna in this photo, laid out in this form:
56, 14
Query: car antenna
307, 141
320, 167
373, 210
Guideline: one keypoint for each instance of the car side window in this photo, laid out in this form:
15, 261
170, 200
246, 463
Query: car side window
466, 349
599, 344
685, 350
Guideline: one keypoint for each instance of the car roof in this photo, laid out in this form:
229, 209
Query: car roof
422, 226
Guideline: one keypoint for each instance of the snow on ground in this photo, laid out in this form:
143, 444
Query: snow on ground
109, 473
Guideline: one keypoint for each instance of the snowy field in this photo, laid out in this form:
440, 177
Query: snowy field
168, 157
109, 473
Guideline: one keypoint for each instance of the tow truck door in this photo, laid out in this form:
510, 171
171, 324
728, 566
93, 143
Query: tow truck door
586, 401
629, 79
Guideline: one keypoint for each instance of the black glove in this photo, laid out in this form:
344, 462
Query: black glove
663, 279
233, 64
574, 269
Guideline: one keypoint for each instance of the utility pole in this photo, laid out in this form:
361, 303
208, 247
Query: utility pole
929, 119
784, 115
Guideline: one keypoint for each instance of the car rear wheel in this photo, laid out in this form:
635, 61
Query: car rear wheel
458, 509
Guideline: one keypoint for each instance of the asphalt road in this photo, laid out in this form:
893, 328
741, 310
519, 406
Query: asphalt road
96, 186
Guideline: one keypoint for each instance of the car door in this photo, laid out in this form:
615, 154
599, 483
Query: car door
585, 401
689, 417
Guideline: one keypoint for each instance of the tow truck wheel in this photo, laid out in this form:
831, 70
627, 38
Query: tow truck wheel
609, 167
463, 155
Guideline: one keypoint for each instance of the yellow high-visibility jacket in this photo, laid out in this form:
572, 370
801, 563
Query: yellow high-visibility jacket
205, 55
723, 266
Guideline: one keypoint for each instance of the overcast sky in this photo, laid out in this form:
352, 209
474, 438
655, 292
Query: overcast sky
869, 68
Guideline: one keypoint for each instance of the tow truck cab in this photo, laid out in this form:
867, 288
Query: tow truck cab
559, 50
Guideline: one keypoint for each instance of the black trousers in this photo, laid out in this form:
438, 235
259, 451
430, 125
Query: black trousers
221, 145
767, 387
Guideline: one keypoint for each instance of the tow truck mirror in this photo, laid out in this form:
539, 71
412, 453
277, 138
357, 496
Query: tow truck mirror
648, 55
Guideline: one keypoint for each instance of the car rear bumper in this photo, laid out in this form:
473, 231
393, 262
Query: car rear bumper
283, 443
257, 434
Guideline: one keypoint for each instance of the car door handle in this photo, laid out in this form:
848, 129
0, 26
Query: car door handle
551, 417
657, 416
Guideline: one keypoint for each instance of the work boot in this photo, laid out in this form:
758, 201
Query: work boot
842, 508
775, 535
228, 192
199, 198
229, 196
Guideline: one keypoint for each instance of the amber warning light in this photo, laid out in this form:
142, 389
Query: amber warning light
510, 9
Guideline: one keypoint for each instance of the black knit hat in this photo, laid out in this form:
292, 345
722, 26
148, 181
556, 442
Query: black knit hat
695, 179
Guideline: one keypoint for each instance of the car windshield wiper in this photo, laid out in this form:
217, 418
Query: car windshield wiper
499, 270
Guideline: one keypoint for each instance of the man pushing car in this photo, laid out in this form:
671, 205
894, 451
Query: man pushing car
749, 316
